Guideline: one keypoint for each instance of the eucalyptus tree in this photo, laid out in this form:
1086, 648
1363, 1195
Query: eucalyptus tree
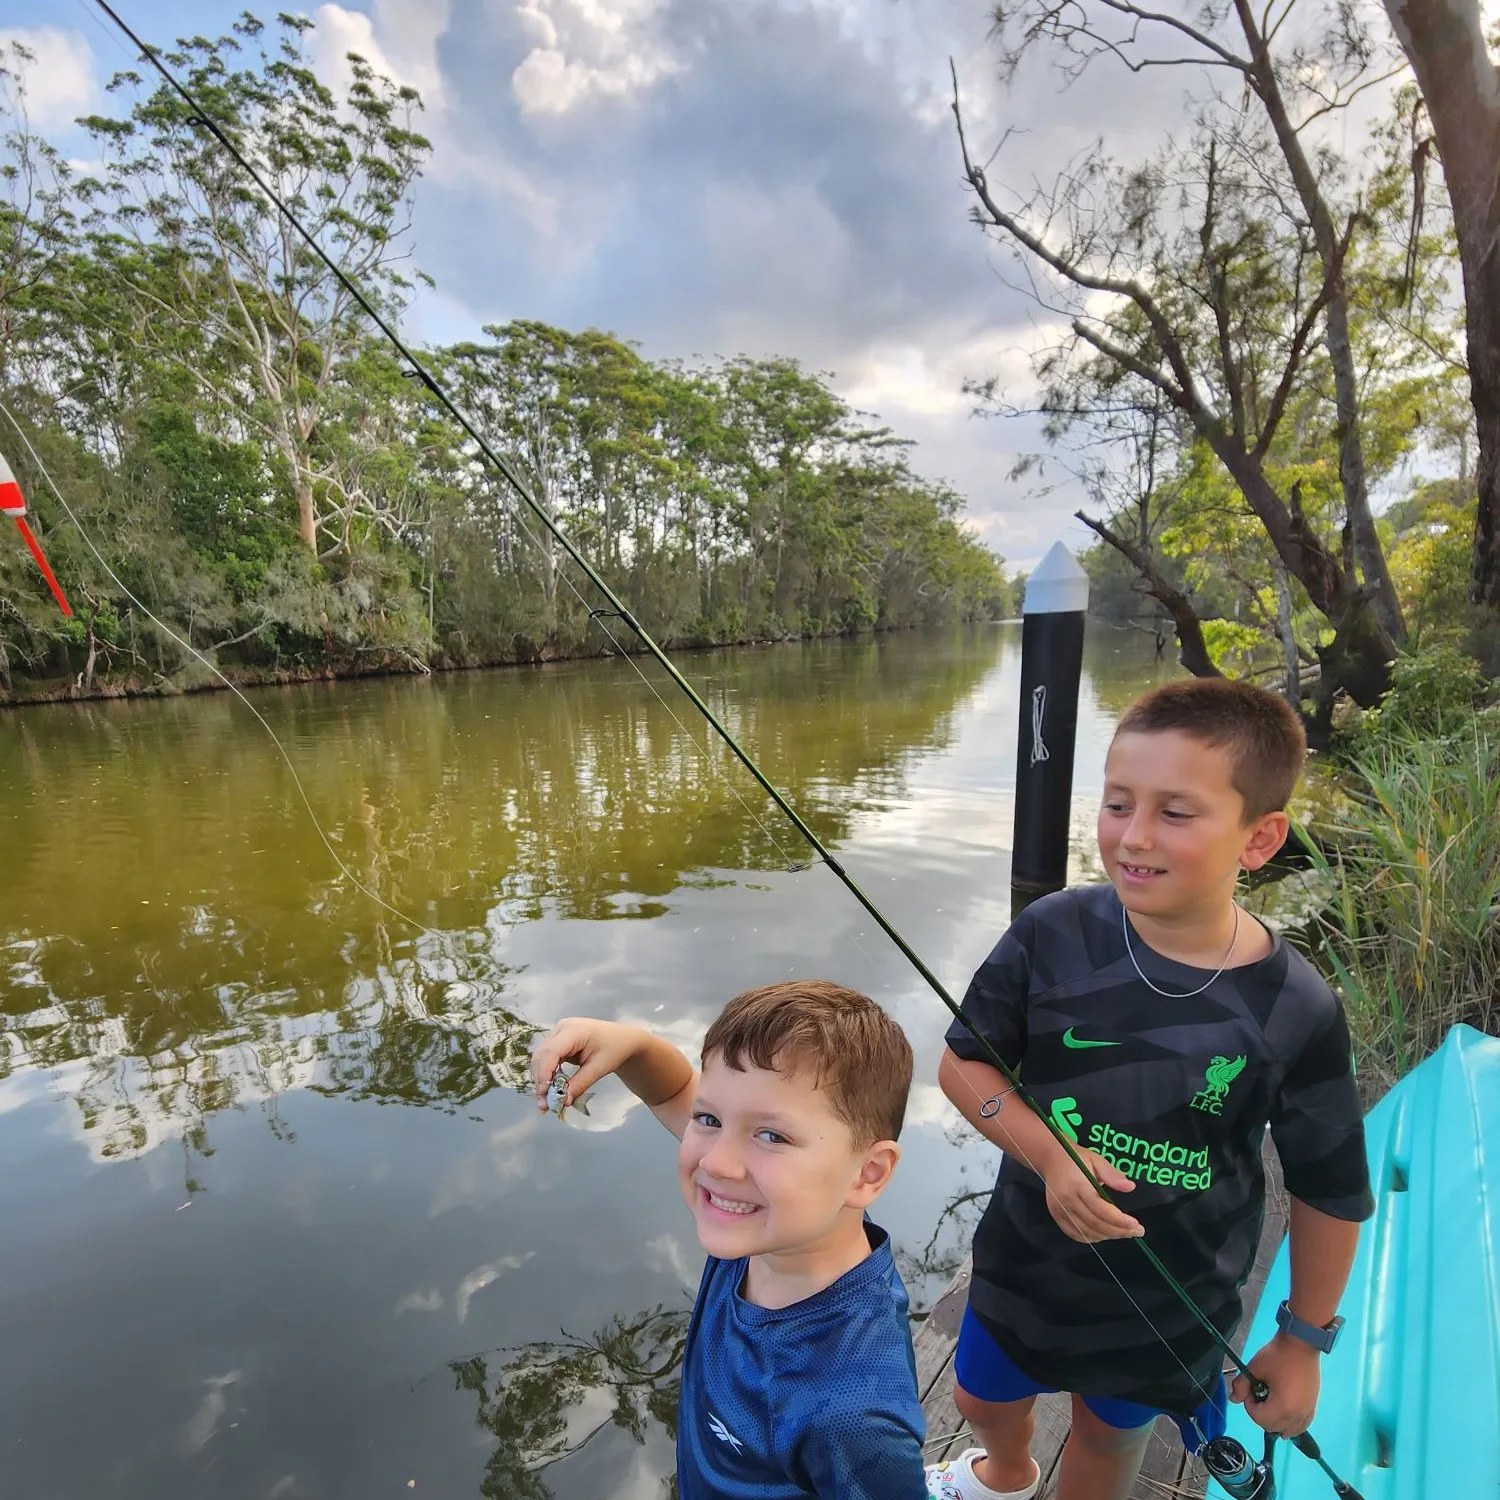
283, 324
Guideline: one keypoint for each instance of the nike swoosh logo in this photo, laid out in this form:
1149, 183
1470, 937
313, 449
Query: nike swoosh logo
1078, 1044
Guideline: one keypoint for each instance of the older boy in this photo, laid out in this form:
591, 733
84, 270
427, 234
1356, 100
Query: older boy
1163, 1028
798, 1377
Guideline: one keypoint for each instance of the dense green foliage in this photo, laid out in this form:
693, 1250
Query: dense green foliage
1411, 936
252, 466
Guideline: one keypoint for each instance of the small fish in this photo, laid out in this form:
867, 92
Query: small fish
557, 1095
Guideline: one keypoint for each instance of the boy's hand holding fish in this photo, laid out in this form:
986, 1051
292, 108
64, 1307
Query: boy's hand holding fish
653, 1069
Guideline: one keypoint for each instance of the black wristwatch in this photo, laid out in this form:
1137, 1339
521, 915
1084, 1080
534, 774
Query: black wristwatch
1322, 1339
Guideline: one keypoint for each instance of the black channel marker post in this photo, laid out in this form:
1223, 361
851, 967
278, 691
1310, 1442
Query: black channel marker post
1057, 597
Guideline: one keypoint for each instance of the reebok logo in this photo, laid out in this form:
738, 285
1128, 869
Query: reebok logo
723, 1434
1078, 1043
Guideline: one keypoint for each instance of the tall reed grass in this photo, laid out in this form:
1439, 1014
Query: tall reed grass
1411, 938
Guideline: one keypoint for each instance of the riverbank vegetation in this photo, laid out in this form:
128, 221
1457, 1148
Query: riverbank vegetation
252, 464
1411, 855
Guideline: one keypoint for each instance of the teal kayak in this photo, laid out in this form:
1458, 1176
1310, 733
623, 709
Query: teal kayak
1410, 1403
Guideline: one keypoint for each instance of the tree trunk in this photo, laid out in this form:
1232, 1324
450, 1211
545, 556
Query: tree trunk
307, 515
1288, 634
1359, 660
1356, 660
93, 657
1367, 549
1445, 42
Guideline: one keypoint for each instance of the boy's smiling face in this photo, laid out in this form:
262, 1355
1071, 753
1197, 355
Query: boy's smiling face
1171, 826
768, 1168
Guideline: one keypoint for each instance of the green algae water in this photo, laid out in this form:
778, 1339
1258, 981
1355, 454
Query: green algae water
277, 1220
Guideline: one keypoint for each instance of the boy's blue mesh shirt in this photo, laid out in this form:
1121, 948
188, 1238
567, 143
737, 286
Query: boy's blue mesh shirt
819, 1398
1176, 1092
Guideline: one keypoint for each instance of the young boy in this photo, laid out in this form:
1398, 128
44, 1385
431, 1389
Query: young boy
798, 1377
1163, 1028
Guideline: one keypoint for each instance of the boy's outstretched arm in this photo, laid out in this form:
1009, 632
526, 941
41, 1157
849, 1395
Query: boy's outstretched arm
1321, 1253
651, 1068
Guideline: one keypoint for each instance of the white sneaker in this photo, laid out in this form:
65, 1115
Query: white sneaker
955, 1480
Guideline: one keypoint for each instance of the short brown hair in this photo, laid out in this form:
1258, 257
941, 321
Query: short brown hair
1263, 735
851, 1047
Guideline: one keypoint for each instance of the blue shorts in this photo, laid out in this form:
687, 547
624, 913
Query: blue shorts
985, 1370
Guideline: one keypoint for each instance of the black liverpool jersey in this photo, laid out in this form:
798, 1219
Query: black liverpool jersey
1176, 1092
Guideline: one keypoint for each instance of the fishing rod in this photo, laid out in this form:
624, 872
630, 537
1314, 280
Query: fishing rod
618, 610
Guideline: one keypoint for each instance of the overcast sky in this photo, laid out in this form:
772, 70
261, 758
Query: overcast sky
709, 177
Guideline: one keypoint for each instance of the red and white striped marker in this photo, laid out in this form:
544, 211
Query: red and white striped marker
12, 501
13, 504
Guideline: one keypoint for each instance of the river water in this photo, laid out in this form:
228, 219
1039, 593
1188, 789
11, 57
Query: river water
276, 1219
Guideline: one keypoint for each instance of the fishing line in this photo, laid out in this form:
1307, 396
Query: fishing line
618, 609
192, 650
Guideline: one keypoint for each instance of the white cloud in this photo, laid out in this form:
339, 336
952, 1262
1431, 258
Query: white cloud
396, 39
401, 40
59, 82
666, 1252
587, 49
926, 379
429, 1301
902, 379
483, 1276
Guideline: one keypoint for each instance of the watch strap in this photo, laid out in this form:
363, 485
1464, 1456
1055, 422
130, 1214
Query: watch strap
1322, 1339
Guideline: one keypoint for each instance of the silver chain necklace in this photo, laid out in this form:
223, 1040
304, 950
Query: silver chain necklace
1178, 994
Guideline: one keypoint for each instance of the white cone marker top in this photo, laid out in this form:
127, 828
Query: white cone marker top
12, 501
1058, 585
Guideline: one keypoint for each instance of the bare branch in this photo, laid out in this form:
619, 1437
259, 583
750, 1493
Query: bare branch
1052, 24
1193, 651
239, 639
1137, 366
1300, 339
1342, 100
1184, 394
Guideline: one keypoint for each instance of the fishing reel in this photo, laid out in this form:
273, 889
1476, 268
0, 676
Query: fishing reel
1236, 1473
1242, 1478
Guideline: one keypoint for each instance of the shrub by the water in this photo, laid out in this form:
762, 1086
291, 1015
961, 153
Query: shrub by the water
1411, 938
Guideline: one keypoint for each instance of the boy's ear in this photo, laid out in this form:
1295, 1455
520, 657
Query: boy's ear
1263, 838
875, 1172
